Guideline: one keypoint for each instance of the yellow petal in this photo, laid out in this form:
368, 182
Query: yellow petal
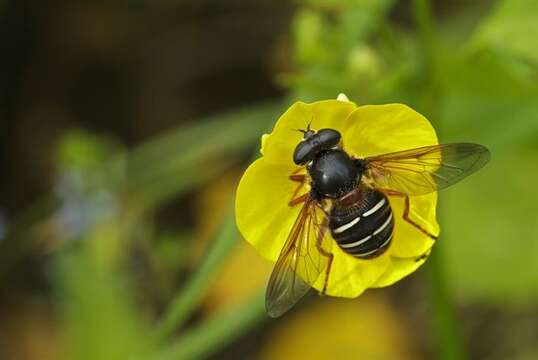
398, 269
380, 129
349, 276
278, 147
408, 241
262, 212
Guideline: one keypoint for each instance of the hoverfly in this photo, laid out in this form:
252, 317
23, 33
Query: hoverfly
348, 197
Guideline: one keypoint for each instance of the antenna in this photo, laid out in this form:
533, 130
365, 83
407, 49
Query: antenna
309, 123
308, 132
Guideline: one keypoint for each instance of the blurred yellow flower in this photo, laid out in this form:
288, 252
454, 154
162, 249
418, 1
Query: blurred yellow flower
337, 329
265, 218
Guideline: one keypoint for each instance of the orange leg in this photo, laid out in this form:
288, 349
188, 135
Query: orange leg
301, 180
298, 178
406, 213
327, 272
413, 223
322, 251
298, 200
414, 258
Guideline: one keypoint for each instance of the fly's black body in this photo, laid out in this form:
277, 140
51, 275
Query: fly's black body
360, 219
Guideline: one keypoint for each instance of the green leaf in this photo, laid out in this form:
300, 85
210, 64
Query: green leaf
188, 298
308, 28
206, 338
184, 157
490, 230
100, 318
510, 27
488, 99
82, 150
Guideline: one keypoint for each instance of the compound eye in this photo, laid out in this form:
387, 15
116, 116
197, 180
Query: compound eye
304, 152
328, 138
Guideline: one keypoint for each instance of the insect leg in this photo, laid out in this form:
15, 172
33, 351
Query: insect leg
324, 252
327, 272
298, 200
414, 258
295, 176
300, 178
406, 213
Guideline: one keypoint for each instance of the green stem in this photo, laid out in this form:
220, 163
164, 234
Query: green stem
188, 298
209, 336
445, 322
424, 23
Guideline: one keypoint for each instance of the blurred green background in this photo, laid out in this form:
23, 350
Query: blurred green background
125, 126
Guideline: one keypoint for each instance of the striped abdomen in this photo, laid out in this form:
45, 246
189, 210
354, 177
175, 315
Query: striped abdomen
364, 227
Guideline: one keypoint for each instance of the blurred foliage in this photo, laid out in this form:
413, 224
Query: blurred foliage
510, 27
129, 287
331, 51
101, 321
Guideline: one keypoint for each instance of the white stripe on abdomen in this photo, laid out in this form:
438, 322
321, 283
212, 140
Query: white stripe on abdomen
344, 227
375, 208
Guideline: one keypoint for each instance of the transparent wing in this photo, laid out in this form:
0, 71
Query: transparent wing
301, 262
426, 169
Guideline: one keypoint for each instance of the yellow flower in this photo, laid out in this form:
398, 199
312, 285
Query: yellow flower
265, 218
